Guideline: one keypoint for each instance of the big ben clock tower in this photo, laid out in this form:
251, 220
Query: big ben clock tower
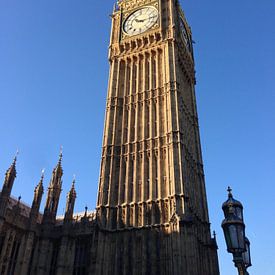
151, 216
152, 207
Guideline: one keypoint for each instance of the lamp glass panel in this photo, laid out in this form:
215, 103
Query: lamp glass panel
245, 258
239, 212
241, 237
246, 255
233, 236
227, 238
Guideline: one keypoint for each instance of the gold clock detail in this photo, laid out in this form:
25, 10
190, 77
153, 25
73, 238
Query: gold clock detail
140, 20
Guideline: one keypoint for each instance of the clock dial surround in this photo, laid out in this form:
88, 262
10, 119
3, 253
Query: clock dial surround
140, 20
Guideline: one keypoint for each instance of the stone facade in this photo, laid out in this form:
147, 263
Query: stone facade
151, 215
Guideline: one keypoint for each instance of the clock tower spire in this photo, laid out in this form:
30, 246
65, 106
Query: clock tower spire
152, 204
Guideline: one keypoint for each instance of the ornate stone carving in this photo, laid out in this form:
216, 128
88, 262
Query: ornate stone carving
132, 4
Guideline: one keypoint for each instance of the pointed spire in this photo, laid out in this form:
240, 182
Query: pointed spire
59, 165
39, 188
10, 177
70, 202
15, 157
38, 192
60, 154
12, 169
54, 191
72, 191
37, 198
58, 171
73, 184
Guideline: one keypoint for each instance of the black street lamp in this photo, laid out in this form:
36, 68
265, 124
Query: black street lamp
234, 233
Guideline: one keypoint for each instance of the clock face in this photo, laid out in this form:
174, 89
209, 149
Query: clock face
140, 21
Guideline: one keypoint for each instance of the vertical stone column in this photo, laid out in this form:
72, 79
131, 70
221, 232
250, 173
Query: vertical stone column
108, 134
25, 253
158, 126
44, 257
124, 134
150, 123
65, 258
144, 126
2, 221
62, 257
6, 252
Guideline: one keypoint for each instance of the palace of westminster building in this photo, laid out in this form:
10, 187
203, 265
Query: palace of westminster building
151, 215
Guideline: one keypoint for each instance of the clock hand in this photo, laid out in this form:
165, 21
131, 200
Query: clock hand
139, 21
146, 19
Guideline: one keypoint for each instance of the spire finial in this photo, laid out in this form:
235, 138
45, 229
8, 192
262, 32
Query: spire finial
42, 174
73, 183
229, 190
15, 157
60, 154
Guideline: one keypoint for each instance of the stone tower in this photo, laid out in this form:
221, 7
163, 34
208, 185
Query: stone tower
151, 216
152, 207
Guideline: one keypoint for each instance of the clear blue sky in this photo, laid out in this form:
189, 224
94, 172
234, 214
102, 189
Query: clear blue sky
53, 81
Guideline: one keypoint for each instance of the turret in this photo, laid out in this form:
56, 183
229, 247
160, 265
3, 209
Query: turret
53, 195
38, 193
7, 187
70, 203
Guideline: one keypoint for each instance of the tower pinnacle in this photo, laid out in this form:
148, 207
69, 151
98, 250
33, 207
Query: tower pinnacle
70, 202
61, 153
10, 175
7, 186
12, 168
72, 191
54, 191
58, 171
39, 189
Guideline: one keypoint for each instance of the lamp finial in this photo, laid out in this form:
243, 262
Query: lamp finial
229, 190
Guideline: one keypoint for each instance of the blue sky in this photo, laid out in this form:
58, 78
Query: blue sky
53, 83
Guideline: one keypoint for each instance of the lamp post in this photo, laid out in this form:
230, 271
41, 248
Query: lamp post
234, 233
